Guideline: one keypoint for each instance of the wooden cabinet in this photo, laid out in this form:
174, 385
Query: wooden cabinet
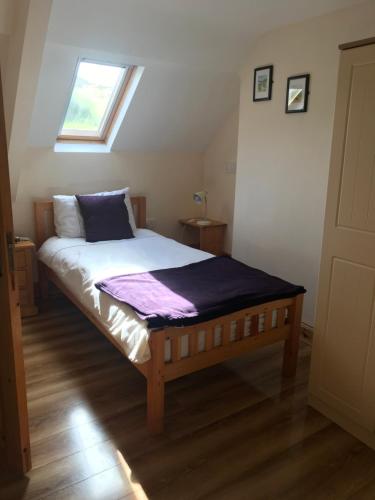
24, 258
210, 237
342, 382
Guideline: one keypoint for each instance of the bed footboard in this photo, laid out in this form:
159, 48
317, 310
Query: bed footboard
205, 344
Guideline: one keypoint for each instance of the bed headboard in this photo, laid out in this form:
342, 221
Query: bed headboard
45, 227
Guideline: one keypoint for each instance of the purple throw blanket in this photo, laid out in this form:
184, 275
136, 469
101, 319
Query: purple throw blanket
197, 292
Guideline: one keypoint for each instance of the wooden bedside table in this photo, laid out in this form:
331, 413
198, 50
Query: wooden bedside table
24, 258
211, 236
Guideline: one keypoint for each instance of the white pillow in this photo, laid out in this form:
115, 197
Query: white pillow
68, 218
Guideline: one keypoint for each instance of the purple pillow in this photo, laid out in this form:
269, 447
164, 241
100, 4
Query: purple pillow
105, 217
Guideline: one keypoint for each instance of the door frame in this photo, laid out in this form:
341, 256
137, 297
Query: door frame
13, 402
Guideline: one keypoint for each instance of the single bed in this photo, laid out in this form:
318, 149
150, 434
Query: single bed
165, 354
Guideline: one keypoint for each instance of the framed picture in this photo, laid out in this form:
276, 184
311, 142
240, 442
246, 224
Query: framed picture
297, 94
262, 89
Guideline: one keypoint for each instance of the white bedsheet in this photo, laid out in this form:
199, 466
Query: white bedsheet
80, 265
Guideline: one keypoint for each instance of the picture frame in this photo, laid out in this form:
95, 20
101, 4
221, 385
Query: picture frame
262, 84
297, 93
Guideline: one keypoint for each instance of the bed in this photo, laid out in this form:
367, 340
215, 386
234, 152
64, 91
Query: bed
160, 354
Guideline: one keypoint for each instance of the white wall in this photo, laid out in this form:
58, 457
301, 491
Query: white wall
7, 8
25, 54
6, 16
283, 160
167, 180
12, 63
218, 181
4, 40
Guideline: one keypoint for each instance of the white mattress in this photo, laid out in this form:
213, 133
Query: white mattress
80, 265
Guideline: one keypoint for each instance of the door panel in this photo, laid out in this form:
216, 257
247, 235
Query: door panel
347, 335
357, 203
343, 359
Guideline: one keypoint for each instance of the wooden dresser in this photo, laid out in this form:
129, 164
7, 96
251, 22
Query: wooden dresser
24, 255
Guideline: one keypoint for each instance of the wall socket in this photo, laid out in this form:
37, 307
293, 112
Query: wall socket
151, 223
230, 167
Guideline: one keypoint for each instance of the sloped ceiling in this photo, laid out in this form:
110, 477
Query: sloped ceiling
175, 107
7, 8
192, 51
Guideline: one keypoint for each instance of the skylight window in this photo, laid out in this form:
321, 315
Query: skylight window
96, 97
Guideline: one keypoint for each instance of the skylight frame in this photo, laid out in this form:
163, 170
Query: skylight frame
111, 114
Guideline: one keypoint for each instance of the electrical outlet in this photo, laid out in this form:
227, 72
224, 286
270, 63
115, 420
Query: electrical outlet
151, 223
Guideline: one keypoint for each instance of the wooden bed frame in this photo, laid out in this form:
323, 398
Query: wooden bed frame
157, 371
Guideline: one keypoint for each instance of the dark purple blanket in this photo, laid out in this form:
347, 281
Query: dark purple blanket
186, 295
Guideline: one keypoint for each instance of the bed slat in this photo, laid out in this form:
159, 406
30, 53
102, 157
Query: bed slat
176, 348
226, 333
209, 339
268, 321
193, 343
240, 328
280, 317
254, 327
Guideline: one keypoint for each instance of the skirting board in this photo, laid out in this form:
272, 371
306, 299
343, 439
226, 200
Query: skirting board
348, 425
307, 331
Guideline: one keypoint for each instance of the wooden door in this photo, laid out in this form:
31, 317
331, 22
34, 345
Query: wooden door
343, 363
14, 445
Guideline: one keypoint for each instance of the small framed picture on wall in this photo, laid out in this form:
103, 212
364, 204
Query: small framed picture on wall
262, 87
297, 94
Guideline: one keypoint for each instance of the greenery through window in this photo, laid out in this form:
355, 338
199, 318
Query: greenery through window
96, 93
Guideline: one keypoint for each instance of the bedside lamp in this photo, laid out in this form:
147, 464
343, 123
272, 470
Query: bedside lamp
200, 197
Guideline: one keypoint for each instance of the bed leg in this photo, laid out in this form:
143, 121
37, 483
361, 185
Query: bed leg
292, 343
43, 282
155, 383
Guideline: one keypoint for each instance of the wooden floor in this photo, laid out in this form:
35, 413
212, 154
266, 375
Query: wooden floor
232, 431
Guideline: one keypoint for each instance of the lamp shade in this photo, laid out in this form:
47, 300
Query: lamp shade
200, 197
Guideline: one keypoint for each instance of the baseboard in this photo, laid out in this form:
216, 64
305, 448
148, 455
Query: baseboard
307, 332
348, 425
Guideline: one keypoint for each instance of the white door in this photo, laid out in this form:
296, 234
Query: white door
343, 363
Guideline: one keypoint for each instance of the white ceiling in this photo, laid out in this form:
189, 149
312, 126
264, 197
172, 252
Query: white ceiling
192, 51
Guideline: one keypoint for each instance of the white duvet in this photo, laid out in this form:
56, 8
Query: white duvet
80, 265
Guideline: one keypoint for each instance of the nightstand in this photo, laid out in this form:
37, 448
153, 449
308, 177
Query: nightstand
24, 259
211, 236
